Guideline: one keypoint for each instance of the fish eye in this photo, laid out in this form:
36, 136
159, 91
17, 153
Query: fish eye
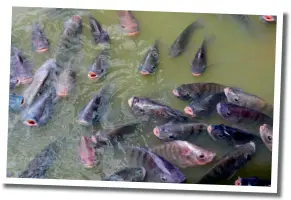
164, 178
220, 134
236, 99
228, 113
270, 138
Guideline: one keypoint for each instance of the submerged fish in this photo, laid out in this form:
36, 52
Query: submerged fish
242, 115
266, 133
144, 106
150, 60
87, 152
205, 106
199, 63
197, 90
15, 102
42, 161
99, 66
181, 42
131, 174
39, 40
228, 165
178, 131
128, 22
91, 112
66, 82
184, 154
158, 169
241, 98
251, 181
98, 33
230, 135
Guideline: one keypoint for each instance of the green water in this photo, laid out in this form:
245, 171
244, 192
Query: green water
238, 58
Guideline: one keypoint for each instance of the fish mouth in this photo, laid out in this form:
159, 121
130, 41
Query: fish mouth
130, 101
209, 130
92, 75
263, 127
76, 18
63, 93
83, 122
268, 18
25, 81
237, 181
156, 132
210, 159
196, 74
31, 123
22, 102
176, 93
144, 72
88, 165
42, 50
226, 90
189, 111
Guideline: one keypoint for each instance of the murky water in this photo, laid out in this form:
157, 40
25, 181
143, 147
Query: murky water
239, 59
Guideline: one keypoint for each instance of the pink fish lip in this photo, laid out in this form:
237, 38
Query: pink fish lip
196, 74
209, 129
175, 92
144, 73
268, 18
25, 81
30, 123
237, 181
189, 111
62, 93
226, 90
156, 132
76, 18
263, 127
42, 50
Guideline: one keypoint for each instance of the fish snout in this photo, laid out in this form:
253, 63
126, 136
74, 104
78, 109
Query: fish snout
24, 81
176, 93
263, 128
196, 74
143, 72
237, 181
92, 75
130, 101
226, 91
156, 132
188, 110
30, 122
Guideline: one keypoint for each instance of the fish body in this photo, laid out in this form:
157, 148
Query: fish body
251, 181
98, 33
99, 66
130, 174
128, 23
39, 40
150, 60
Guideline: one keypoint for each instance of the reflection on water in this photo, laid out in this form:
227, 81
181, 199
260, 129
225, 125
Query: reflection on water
237, 58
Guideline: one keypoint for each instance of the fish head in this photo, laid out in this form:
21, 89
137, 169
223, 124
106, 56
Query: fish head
146, 69
226, 111
128, 23
234, 95
219, 132
182, 93
23, 70
197, 69
166, 133
16, 102
39, 42
246, 181
86, 117
87, 152
266, 133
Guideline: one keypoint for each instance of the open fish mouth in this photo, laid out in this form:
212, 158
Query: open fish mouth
83, 122
209, 130
30, 122
189, 111
130, 101
176, 93
92, 75
62, 93
42, 50
143, 72
156, 132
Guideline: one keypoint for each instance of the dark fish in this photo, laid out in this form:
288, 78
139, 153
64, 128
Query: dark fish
205, 106
133, 174
158, 169
146, 107
251, 181
199, 63
197, 90
269, 19
44, 76
99, 66
228, 165
242, 115
22, 66
91, 112
66, 82
241, 98
98, 33
15, 102
39, 40
128, 23
181, 42
178, 131
40, 111
150, 60
184, 154
266, 133
43, 161
230, 135
87, 154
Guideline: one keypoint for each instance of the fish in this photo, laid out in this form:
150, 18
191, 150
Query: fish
242, 115
66, 82
251, 181
38, 167
39, 40
150, 60
192, 91
181, 42
269, 19
241, 98
199, 63
128, 23
178, 131
91, 112
158, 169
99, 66
22, 66
16, 102
142, 106
228, 165
205, 106
266, 133
87, 153
44, 77
130, 174
40, 111
184, 154
98, 33
228, 134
